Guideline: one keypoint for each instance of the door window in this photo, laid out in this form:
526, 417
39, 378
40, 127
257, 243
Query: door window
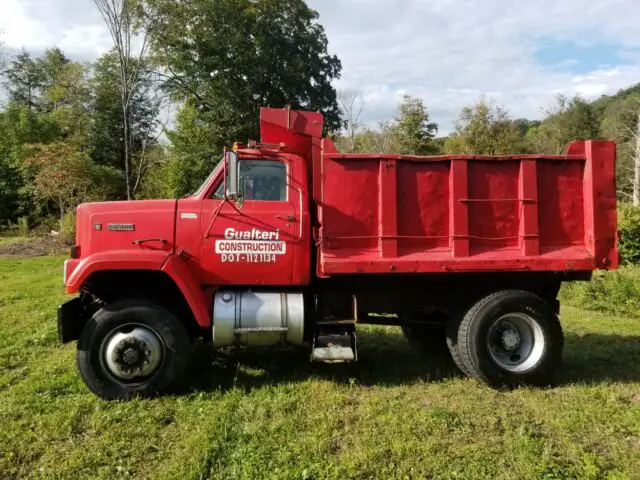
263, 180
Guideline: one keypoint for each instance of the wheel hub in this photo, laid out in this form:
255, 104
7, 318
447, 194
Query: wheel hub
130, 356
510, 339
516, 342
132, 353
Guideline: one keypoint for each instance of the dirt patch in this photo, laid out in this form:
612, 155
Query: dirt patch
34, 247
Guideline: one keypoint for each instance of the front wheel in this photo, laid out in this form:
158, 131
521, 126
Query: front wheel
132, 348
510, 338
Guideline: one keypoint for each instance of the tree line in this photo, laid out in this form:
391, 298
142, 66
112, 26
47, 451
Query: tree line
72, 132
149, 118
61, 134
486, 128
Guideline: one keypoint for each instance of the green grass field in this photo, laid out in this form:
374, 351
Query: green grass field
270, 414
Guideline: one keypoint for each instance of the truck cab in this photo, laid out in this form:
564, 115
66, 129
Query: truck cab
253, 229
290, 242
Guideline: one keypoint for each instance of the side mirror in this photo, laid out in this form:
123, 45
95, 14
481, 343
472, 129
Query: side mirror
231, 162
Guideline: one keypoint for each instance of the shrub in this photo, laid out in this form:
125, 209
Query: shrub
21, 227
46, 225
68, 228
616, 292
65, 176
156, 182
629, 228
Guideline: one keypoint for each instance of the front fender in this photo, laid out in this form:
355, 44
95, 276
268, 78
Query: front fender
175, 267
114, 260
179, 272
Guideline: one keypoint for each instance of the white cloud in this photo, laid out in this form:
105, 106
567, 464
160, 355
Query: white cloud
19, 29
73, 25
86, 39
449, 52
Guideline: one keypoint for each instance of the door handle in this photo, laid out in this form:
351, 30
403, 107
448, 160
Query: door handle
288, 218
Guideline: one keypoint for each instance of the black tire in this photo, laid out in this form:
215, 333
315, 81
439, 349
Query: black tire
172, 336
452, 342
476, 340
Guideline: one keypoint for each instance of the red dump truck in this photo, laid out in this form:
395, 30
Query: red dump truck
290, 241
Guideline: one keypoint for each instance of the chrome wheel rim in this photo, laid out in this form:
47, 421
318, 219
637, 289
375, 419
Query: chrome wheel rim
132, 352
516, 342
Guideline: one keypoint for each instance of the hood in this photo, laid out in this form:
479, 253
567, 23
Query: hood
103, 226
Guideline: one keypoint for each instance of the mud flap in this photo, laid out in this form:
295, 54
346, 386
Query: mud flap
71, 320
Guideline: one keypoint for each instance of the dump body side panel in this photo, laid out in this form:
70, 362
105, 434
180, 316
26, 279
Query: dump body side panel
391, 213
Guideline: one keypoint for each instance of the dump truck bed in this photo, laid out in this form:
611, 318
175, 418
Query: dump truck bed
461, 213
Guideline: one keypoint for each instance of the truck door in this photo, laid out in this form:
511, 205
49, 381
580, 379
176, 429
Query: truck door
252, 241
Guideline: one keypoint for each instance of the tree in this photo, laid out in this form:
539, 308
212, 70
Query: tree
27, 79
191, 157
156, 182
410, 132
484, 129
55, 70
107, 128
636, 162
2, 57
569, 120
523, 125
381, 140
20, 126
118, 16
10, 184
413, 132
66, 177
621, 122
57, 109
352, 104
66, 100
10, 179
54, 90
230, 57
23, 80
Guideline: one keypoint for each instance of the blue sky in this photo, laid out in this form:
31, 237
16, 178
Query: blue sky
578, 58
448, 52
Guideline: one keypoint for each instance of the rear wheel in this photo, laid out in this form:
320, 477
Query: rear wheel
510, 338
452, 342
132, 348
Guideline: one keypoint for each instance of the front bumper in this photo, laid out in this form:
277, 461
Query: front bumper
71, 320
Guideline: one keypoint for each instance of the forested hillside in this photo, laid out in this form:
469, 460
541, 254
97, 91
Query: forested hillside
488, 128
150, 117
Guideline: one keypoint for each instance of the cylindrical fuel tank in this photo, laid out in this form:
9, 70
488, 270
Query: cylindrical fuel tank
257, 318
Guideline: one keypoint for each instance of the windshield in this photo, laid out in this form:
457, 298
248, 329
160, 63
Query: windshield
206, 182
